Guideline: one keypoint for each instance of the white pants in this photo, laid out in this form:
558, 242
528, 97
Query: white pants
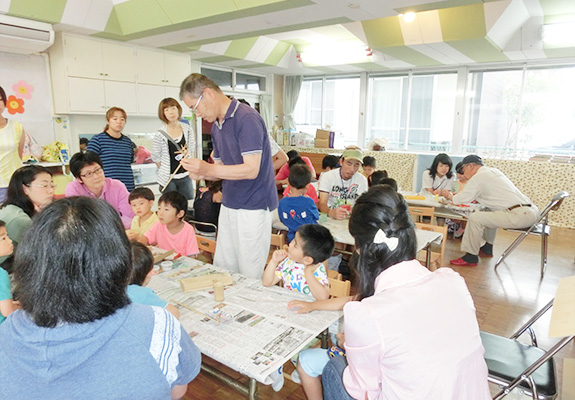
243, 242
482, 226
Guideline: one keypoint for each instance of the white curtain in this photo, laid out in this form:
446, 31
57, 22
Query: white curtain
292, 87
266, 110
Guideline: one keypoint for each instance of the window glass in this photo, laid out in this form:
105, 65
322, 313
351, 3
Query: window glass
307, 112
432, 112
342, 109
492, 107
547, 122
386, 111
221, 78
250, 82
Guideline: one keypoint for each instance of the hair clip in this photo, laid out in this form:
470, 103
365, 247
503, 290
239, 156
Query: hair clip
381, 237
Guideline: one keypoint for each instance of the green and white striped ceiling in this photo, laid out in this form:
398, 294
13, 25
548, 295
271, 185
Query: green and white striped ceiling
267, 35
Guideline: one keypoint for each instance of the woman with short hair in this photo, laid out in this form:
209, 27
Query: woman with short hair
77, 335
90, 181
167, 147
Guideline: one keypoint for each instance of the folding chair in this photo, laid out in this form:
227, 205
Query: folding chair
199, 225
206, 240
539, 228
417, 213
436, 259
512, 364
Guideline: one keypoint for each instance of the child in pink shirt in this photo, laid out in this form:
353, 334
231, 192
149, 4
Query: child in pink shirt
171, 232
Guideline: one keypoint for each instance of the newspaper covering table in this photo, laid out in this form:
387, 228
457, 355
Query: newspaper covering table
340, 231
251, 331
443, 208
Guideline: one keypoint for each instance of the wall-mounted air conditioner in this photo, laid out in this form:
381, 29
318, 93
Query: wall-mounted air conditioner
23, 36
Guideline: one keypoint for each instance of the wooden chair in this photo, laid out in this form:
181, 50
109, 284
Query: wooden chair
334, 274
539, 228
417, 213
206, 244
207, 247
277, 242
437, 259
339, 288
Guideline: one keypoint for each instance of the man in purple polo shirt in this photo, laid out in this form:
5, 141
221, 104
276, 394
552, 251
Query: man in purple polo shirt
242, 159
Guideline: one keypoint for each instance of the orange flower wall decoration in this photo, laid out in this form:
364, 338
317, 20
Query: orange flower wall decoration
15, 105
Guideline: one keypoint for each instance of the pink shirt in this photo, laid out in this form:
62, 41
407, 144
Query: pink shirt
416, 338
114, 193
144, 156
183, 242
311, 192
284, 170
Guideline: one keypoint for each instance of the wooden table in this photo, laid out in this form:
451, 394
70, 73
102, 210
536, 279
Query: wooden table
340, 232
450, 211
251, 331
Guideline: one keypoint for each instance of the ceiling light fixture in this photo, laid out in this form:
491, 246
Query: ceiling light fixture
409, 17
335, 54
559, 35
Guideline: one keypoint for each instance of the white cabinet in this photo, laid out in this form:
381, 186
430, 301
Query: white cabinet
96, 96
159, 75
91, 75
158, 68
149, 97
88, 58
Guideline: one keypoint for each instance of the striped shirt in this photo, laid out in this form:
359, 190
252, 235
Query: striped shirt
117, 156
161, 153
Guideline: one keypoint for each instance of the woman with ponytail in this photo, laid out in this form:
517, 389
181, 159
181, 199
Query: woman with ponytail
115, 149
409, 333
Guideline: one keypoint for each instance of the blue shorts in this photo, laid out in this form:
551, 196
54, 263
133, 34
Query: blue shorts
313, 361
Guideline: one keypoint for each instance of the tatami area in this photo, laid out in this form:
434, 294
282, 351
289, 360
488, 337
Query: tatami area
504, 300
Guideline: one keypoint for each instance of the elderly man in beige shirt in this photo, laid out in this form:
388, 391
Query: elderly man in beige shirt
506, 207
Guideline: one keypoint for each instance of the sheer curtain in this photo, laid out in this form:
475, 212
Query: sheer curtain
292, 87
266, 110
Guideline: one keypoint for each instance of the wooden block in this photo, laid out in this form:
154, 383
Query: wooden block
205, 281
160, 257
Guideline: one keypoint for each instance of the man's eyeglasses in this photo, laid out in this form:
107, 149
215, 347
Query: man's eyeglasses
92, 173
194, 108
42, 185
460, 169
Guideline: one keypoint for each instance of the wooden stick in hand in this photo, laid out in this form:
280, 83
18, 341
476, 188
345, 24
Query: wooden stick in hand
184, 153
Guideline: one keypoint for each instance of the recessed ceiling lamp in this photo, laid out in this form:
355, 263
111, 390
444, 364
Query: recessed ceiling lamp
408, 17
559, 35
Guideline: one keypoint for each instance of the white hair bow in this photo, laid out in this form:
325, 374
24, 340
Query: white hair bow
381, 237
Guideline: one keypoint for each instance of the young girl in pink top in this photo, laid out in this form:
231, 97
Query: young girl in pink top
409, 333
171, 231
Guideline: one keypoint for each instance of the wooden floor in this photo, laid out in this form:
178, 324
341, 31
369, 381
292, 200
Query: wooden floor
504, 300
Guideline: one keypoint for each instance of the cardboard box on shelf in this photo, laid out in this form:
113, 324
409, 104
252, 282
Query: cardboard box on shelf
323, 143
322, 134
